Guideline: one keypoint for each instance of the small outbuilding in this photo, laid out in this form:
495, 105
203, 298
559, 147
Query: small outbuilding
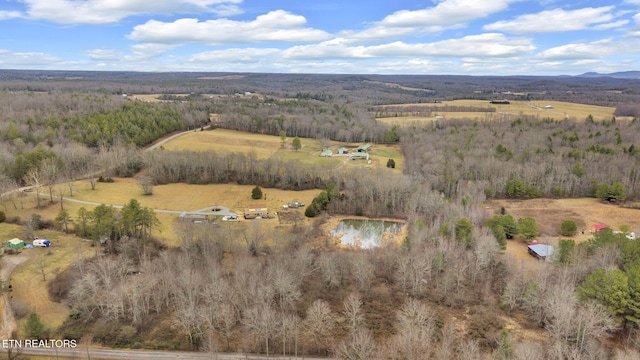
326, 153
15, 243
597, 227
359, 156
343, 151
540, 251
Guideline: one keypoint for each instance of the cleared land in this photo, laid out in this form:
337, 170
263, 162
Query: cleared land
29, 286
268, 146
550, 213
557, 110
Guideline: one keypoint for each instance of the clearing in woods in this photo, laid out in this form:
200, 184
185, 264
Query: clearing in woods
557, 110
550, 213
269, 146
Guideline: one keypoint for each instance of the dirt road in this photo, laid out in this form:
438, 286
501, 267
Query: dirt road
8, 323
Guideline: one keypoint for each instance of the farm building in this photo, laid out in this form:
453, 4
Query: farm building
326, 153
359, 156
540, 251
597, 227
184, 216
343, 151
256, 210
15, 243
363, 148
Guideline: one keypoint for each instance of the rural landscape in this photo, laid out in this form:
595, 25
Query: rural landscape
321, 216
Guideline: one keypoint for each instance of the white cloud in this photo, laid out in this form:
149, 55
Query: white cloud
557, 20
275, 26
29, 60
104, 54
593, 50
234, 55
483, 45
111, 11
446, 13
5, 15
151, 50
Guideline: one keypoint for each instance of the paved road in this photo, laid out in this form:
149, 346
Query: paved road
89, 353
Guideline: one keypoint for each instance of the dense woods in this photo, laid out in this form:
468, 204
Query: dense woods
447, 292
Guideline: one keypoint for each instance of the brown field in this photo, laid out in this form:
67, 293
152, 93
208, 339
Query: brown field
559, 111
550, 213
28, 284
268, 146
224, 77
175, 197
221, 140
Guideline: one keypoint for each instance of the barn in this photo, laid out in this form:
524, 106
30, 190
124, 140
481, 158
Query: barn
363, 148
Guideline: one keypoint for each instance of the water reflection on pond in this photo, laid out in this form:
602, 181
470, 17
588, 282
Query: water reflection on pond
364, 233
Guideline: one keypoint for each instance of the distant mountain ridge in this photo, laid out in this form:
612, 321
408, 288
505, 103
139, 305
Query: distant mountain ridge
617, 75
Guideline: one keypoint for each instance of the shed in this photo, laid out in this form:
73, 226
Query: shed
359, 156
326, 153
193, 217
363, 148
540, 251
343, 151
597, 227
15, 243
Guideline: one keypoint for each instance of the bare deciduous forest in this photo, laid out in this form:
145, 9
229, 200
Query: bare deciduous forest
447, 292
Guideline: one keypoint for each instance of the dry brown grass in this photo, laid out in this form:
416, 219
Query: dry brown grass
226, 141
550, 213
176, 197
27, 280
559, 111
268, 146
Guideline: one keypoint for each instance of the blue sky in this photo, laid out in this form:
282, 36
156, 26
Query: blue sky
459, 37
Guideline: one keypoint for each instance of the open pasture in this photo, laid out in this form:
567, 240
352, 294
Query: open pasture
268, 146
169, 199
550, 213
556, 110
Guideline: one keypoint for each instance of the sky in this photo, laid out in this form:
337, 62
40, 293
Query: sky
453, 37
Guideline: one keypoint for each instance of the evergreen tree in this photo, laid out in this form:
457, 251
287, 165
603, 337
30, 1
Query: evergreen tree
256, 193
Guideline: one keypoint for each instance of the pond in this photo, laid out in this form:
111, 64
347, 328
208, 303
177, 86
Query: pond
365, 233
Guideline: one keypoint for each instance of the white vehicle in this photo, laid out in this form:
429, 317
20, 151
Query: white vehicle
42, 243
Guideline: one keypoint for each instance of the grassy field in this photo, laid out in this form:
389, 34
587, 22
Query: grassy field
268, 146
28, 282
558, 110
550, 213
174, 197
